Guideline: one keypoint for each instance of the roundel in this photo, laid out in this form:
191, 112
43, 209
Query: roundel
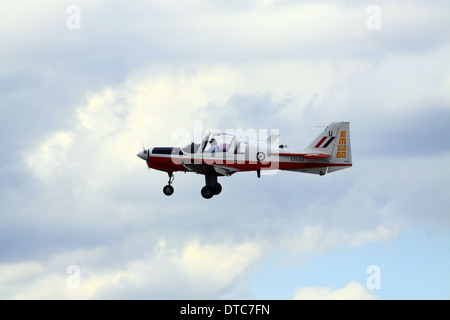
260, 156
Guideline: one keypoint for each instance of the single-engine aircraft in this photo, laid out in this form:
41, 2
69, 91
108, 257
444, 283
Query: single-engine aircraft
222, 154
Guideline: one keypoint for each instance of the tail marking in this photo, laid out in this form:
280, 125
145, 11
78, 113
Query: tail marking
326, 144
342, 147
320, 142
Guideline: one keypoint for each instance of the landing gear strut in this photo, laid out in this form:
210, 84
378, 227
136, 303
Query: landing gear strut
168, 189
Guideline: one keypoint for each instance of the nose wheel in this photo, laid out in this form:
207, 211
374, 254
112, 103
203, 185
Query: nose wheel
168, 189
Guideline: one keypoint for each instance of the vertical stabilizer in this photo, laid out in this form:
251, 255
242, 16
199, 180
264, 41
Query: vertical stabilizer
342, 151
334, 141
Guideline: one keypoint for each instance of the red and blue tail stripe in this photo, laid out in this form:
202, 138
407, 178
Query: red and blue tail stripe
318, 145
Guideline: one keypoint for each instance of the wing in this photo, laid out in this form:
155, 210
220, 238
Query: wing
224, 170
206, 168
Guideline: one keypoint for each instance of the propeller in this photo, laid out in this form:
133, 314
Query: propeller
144, 154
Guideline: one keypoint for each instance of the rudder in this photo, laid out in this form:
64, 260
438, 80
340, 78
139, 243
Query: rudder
341, 156
334, 145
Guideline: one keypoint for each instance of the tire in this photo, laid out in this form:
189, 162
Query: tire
217, 189
207, 192
168, 190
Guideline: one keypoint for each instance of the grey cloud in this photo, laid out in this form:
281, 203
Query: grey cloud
414, 134
248, 111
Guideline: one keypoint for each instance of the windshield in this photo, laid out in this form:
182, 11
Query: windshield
219, 142
194, 147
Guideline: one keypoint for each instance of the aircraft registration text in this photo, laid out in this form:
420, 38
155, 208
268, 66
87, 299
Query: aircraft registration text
297, 159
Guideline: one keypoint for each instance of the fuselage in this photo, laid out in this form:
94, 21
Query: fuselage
236, 154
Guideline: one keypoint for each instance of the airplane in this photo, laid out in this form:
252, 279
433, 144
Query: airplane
218, 154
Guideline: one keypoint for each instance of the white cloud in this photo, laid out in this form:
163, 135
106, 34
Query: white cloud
352, 291
319, 239
404, 82
218, 265
50, 156
196, 270
48, 279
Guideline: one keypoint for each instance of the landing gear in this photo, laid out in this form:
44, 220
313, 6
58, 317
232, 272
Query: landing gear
168, 189
212, 187
207, 192
217, 189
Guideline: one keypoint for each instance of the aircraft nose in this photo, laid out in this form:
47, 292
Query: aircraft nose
143, 155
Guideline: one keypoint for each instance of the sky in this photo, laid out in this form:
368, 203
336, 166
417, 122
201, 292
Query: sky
83, 86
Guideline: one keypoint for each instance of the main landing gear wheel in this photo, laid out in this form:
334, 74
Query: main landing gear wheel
217, 189
207, 192
168, 190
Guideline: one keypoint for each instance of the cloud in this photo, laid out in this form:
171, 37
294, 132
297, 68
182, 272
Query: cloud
92, 191
352, 291
51, 155
195, 270
76, 106
94, 156
322, 239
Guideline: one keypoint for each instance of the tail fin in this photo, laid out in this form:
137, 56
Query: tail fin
342, 154
334, 141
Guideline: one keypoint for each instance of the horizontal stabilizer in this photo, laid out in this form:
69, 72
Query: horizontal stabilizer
316, 155
288, 154
304, 155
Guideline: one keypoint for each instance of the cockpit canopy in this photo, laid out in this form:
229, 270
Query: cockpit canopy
210, 142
